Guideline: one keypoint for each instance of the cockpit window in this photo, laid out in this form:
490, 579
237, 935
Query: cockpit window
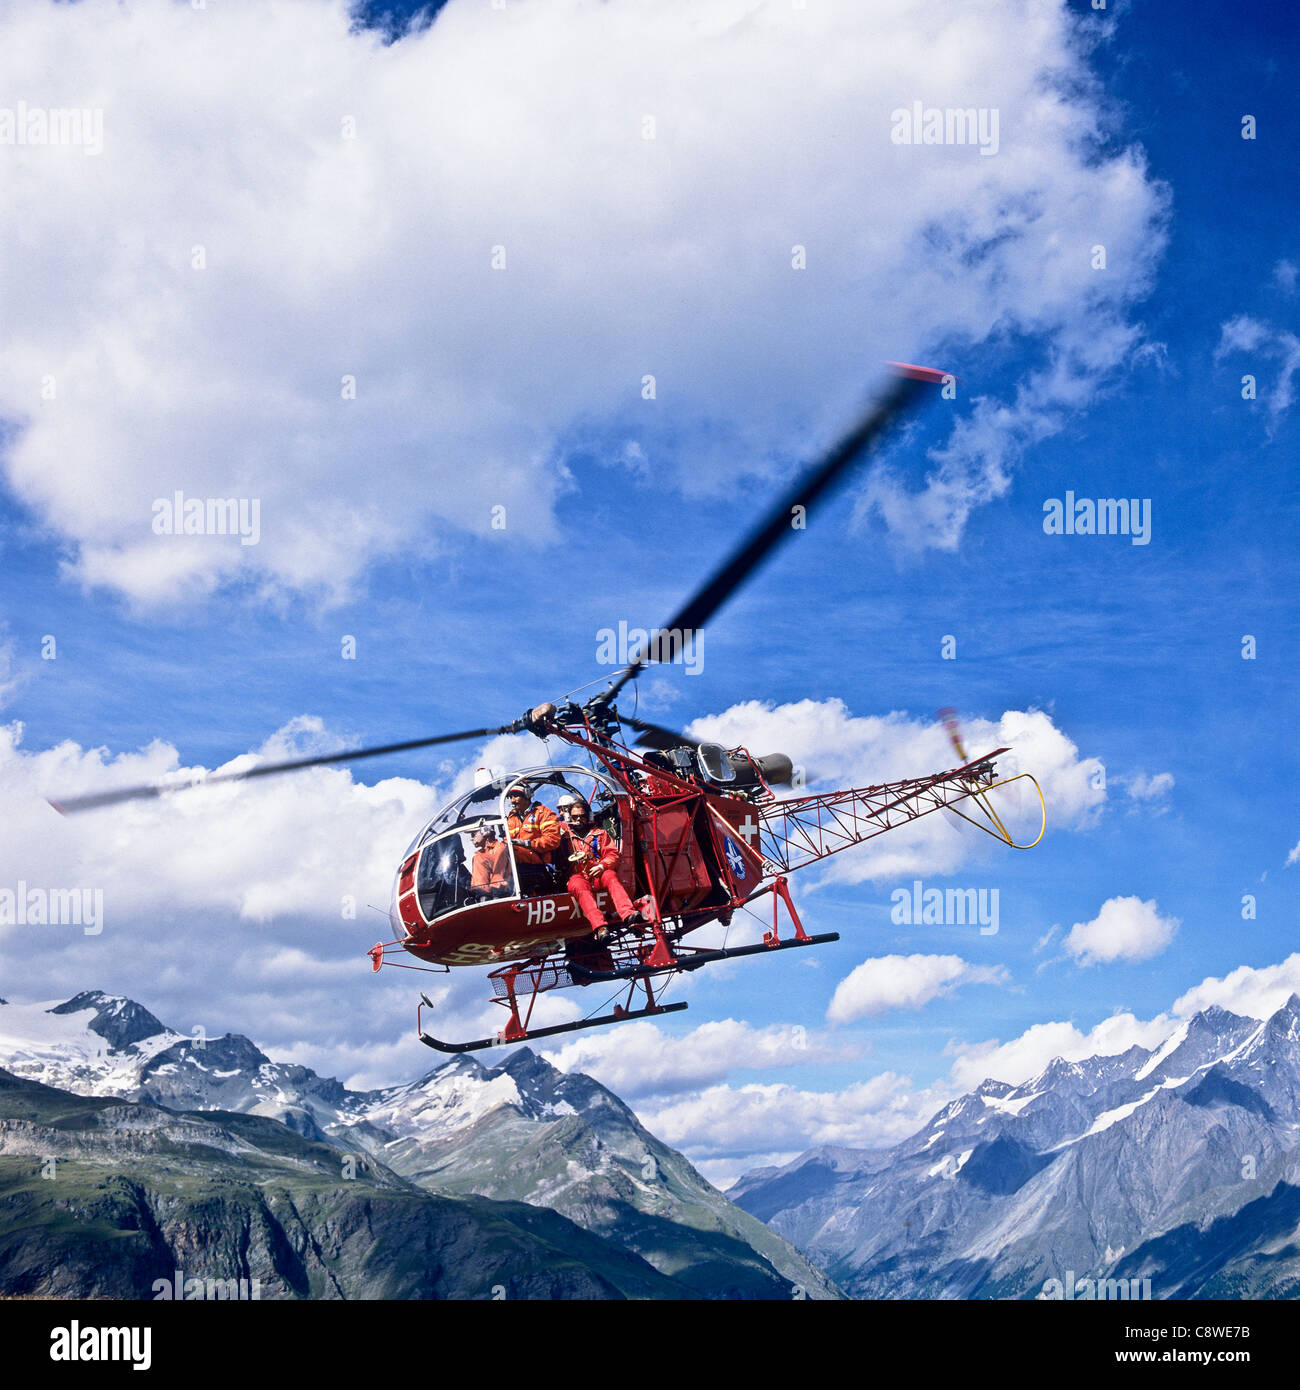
465, 866
467, 808
445, 876
557, 793
481, 801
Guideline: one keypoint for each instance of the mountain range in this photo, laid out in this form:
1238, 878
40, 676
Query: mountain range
136, 1151
1174, 1171
129, 1151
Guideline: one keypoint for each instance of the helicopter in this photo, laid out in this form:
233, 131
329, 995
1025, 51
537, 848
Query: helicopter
698, 829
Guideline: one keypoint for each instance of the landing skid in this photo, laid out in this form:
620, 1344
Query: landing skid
520, 984
619, 1016
695, 960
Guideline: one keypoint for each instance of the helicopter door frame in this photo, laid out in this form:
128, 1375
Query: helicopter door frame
540, 775
416, 861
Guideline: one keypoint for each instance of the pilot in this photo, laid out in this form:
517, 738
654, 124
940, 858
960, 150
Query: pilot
593, 858
534, 828
491, 873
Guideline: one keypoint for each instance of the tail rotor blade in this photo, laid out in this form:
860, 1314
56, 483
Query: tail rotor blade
949, 717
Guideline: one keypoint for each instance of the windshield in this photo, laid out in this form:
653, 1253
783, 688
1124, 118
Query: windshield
453, 872
471, 806
547, 785
465, 866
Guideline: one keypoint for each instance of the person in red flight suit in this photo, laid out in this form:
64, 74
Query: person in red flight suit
594, 858
491, 873
535, 829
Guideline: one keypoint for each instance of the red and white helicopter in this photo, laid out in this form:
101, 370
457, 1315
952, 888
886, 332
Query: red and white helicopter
701, 832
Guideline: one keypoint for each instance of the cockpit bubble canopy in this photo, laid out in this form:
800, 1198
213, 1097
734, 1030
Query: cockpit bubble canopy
487, 802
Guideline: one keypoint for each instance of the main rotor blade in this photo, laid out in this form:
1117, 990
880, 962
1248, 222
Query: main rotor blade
775, 527
98, 799
654, 735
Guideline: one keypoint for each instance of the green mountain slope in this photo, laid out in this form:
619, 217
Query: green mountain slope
100, 1198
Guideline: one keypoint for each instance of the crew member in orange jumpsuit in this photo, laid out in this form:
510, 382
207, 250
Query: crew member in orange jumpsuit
534, 828
594, 858
491, 873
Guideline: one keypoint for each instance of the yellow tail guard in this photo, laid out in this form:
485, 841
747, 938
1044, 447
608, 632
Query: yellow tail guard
994, 825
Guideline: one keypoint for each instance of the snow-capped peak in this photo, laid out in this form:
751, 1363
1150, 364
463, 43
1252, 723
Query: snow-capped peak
1173, 1041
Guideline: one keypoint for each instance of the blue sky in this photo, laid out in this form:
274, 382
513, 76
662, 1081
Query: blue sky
1133, 651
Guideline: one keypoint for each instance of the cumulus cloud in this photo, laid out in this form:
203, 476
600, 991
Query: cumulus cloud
727, 1121
730, 1130
343, 272
232, 916
1024, 1057
904, 982
1124, 929
245, 906
640, 1059
849, 750
1255, 992
221, 884
236, 848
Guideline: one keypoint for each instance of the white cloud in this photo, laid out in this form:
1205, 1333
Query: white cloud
1284, 276
1242, 334
1143, 788
723, 1172
733, 1130
904, 982
639, 1059
236, 848
723, 1121
1024, 1057
1255, 992
656, 693
1294, 856
221, 884
231, 917
369, 257
1124, 929
884, 1109
848, 750
1247, 335
225, 906
975, 466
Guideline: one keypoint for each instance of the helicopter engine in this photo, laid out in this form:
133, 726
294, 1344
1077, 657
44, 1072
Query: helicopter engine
733, 769
776, 769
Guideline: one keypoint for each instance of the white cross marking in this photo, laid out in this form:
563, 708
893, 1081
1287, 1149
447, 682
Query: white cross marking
749, 830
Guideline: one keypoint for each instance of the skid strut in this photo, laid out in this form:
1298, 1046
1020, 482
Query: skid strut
696, 959
664, 956
781, 894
